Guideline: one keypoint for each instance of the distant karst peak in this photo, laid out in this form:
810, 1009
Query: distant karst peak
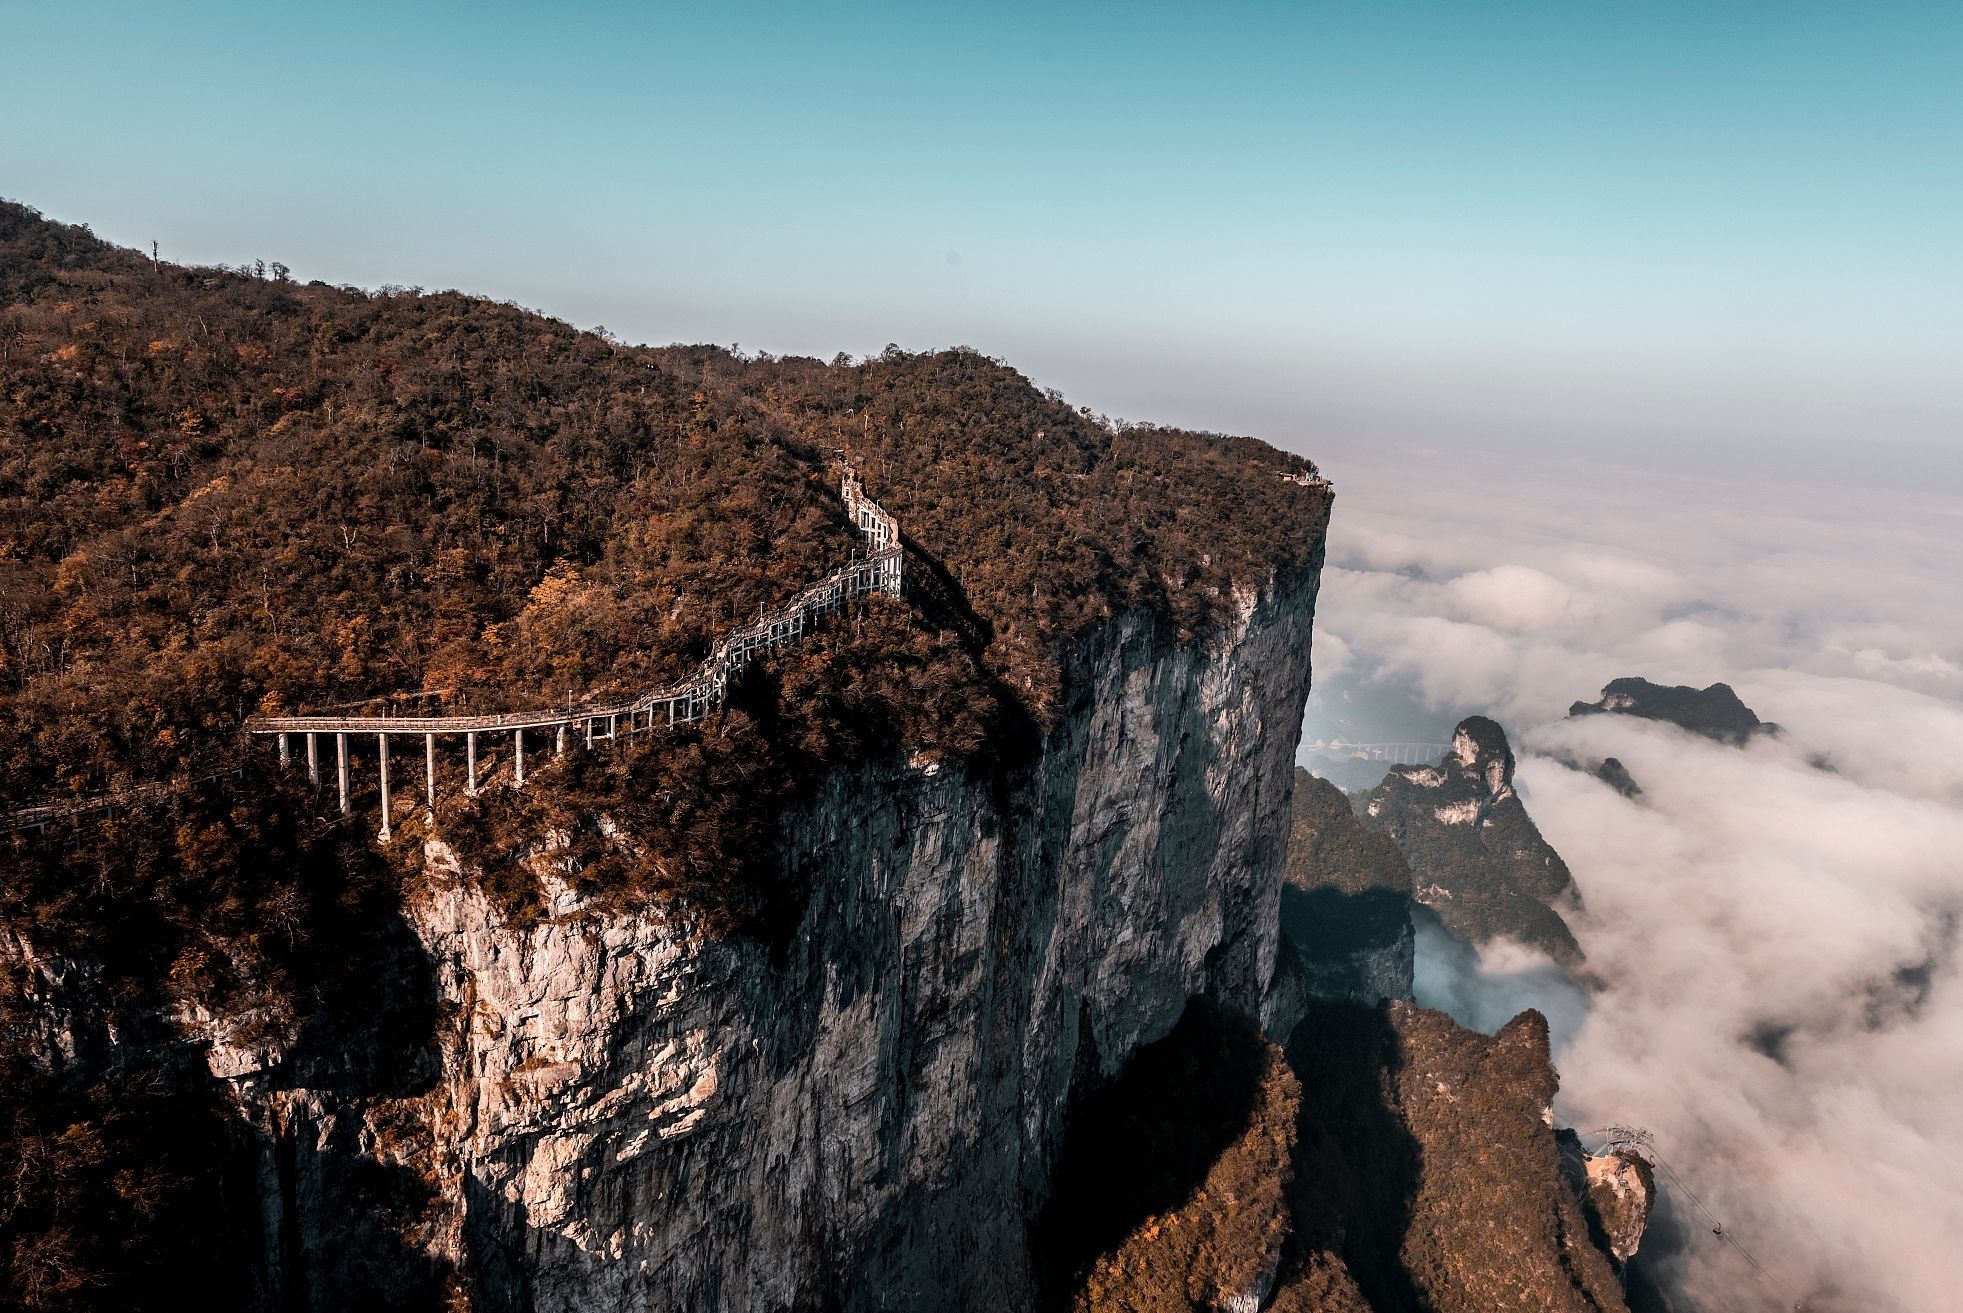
1716, 712
1479, 746
1476, 857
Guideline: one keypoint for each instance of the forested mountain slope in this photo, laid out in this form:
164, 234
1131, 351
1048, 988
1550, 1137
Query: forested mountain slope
224, 493
220, 492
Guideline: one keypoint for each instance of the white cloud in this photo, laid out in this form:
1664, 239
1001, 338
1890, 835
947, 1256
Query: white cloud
1747, 895
1517, 598
1778, 941
1331, 658
1452, 663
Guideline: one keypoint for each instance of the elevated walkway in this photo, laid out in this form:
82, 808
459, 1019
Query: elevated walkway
879, 570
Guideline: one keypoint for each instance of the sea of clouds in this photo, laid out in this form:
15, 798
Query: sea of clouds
1775, 928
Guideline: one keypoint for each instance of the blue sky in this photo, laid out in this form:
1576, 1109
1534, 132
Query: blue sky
1688, 235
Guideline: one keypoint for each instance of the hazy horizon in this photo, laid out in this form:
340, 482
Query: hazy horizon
1716, 238
1629, 336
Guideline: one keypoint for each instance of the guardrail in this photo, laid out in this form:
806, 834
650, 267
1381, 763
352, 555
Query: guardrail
880, 570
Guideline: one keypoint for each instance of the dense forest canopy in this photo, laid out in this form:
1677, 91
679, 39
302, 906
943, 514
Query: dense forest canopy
223, 492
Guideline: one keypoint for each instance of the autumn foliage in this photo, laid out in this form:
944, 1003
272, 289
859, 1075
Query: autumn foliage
225, 493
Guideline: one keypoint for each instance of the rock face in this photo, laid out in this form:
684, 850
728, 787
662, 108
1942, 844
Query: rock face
1476, 857
1716, 712
1617, 1188
1621, 1190
1345, 899
862, 1116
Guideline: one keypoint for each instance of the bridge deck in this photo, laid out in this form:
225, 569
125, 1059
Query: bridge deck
878, 571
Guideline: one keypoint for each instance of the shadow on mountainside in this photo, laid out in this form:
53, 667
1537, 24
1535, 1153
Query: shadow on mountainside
372, 1029
343, 1235
940, 601
1328, 926
939, 597
1356, 1164
223, 928
1139, 1146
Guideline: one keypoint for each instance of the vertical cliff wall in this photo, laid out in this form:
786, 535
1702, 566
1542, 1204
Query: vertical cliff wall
865, 1116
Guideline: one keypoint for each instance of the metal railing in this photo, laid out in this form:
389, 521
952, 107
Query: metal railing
880, 570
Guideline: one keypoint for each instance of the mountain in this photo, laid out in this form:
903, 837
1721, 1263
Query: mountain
1382, 1160
1477, 859
784, 1006
1426, 1174
1613, 773
1716, 712
953, 908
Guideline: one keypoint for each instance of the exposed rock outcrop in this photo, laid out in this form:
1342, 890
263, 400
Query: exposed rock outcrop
1618, 1189
1476, 857
630, 1117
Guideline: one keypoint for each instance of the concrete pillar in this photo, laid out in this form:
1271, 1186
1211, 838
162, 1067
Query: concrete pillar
559, 746
313, 760
341, 757
429, 771
382, 745
470, 763
283, 756
518, 757
589, 731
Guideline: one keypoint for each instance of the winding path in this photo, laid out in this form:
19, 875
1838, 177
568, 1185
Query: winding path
878, 571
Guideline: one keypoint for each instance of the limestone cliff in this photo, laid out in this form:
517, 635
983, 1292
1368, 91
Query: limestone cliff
625, 1115
778, 1007
1617, 1188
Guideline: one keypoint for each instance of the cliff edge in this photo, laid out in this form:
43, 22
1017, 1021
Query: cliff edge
783, 1008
